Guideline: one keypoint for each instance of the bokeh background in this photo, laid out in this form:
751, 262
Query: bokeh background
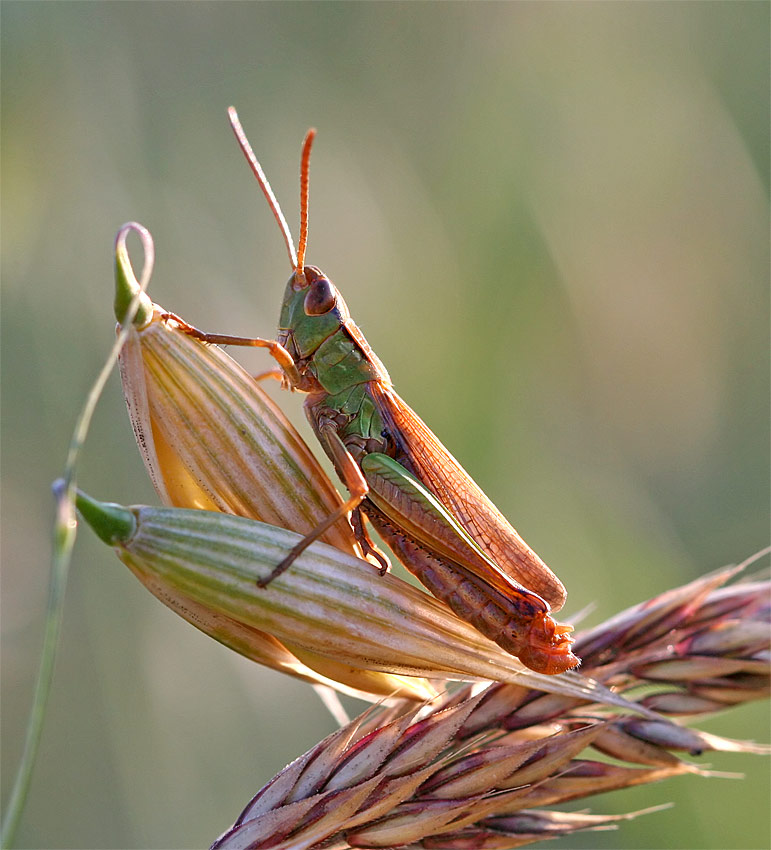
551, 221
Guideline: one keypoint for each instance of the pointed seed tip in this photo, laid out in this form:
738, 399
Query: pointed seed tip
112, 523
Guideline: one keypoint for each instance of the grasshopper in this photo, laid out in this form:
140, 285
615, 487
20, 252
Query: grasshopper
426, 507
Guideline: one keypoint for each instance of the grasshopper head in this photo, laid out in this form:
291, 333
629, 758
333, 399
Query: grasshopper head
312, 310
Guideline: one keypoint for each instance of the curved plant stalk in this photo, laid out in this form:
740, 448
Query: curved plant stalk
65, 529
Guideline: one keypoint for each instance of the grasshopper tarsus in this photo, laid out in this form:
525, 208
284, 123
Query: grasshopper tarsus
294, 553
184, 326
262, 583
368, 548
372, 555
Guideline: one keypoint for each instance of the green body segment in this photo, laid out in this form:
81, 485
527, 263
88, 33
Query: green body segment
365, 420
338, 365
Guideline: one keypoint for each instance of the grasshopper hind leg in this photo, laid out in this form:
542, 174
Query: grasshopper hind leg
357, 486
306, 541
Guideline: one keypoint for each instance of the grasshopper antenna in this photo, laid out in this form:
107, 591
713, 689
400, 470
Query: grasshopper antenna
305, 163
243, 143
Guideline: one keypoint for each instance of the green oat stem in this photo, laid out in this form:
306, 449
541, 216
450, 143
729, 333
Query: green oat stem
65, 530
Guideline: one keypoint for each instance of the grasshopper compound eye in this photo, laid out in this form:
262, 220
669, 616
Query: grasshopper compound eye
321, 297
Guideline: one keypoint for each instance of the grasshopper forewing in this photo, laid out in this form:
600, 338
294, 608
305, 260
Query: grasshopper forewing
433, 516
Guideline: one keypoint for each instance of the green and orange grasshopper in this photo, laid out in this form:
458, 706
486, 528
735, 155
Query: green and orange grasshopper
426, 507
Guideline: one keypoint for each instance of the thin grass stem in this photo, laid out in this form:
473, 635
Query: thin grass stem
65, 530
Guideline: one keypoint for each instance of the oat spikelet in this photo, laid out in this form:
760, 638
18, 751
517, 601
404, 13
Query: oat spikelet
480, 769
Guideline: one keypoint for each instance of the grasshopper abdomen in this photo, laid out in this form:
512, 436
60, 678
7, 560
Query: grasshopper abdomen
520, 623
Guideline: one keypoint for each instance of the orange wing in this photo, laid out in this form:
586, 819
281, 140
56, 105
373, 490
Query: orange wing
458, 492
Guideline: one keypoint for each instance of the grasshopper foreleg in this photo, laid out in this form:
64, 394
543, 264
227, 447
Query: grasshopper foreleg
275, 349
275, 374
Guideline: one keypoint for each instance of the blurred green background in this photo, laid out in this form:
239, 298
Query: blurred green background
551, 222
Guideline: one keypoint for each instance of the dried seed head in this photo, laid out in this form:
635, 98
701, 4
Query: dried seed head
462, 758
